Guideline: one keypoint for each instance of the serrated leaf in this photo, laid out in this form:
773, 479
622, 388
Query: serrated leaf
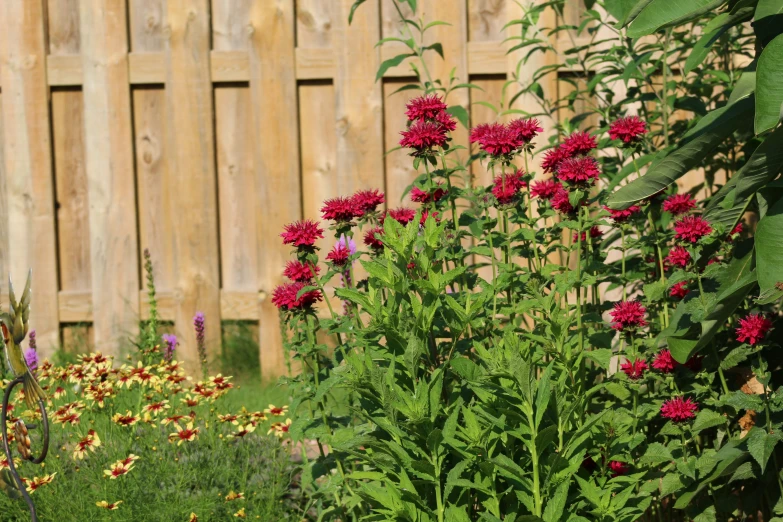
761, 445
707, 419
656, 453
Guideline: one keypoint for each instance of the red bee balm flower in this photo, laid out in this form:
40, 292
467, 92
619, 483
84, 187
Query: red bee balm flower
506, 188
629, 129
753, 328
619, 468
371, 240
634, 370
339, 255
285, 296
621, 216
561, 203
302, 233
679, 291
477, 132
368, 200
419, 196
581, 170
595, 232
498, 140
525, 130
579, 143
341, 210
401, 215
664, 362
425, 107
297, 271
679, 409
423, 136
628, 314
679, 204
552, 159
692, 228
545, 189
678, 256
446, 121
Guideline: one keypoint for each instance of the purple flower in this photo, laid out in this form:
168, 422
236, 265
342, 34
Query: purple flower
31, 357
31, 340
171, 345
348, 243
198, 323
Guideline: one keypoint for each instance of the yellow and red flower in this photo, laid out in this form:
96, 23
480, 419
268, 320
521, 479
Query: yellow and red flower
111, 506
89, 442
37, 482
186, 434
128, 419
280, 429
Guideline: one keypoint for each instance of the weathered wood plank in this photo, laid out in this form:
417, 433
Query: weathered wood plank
110, 180
63, 26
399, 165
190, 146
273, 94
146, 25
230, 24
4, 250
28, 162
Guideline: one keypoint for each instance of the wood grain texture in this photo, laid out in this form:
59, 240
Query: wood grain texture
190, 146
73, 212
314, 22
399, 164
4, 250
64, 33
28, 162
146, 19
110, 176
486, 20
230, 24
275, 122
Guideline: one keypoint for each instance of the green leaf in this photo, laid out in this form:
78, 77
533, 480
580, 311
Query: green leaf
556, 503
729, 459
702, 47
760, 445
769, 86
656, 454
624, 11
618, 390
391, 62
601, 356
543, 394
767, 19
461, 114
707, 419
764, 165
356, 4
699, 143
659, 14
769, 246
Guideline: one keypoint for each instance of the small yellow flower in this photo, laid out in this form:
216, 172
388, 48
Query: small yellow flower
89, 442
244, 430
110, 506
129, 419
234, 496
277, 412
37, 482
240, 513
193, 518
188, 433
121, 467
280, 429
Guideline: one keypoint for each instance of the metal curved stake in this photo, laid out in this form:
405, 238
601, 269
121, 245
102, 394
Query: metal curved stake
31, 458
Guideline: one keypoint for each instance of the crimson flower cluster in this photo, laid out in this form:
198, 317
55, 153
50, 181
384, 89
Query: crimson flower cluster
505, 140
428, 125
342, 210
628, 315
630, 130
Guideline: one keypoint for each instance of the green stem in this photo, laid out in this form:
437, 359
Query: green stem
665, 100
720, 370
579, 297
622, 245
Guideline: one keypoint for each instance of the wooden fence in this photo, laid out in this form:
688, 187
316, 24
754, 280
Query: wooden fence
196, 129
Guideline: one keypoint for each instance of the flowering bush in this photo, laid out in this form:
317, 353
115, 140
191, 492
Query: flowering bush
521, 350
144, 441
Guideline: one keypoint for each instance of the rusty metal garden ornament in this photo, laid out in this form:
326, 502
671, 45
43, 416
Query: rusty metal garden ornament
14, 326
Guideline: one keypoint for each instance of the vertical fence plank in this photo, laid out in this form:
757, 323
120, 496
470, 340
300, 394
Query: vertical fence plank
4, 250
273, 93
63, 26
399, 167
358, 98
111, 185
189, 140
29, 162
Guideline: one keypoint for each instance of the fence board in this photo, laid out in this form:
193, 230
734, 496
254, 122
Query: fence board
29, 161
399, 166
146, 25
189, 140
64, 27
273, 93
111, 186
4, 249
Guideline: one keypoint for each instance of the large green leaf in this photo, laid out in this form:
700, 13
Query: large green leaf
664, 13
625, 10
729, 459
769, 248
769, 86
764, 165
768, 19
699, 143
712, 31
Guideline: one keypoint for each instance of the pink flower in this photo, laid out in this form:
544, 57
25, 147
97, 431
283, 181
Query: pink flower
692, 228
579, 143
679, 409
679, 291
552, 159
621, 216
285, 296
634, 369
753, 328
425, 107
499, 140
664, 362
595, 232
446, 121
341, 210
579, 170
525, 130
423, 135
302, 233
371, 240
561, 203
679, 204
678, 256
298, 271
506, 188
401, 215
339, 255
545, 189
737, 230
368, 200
627, 315
477, 132
419, 196
619, 468
629, 129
